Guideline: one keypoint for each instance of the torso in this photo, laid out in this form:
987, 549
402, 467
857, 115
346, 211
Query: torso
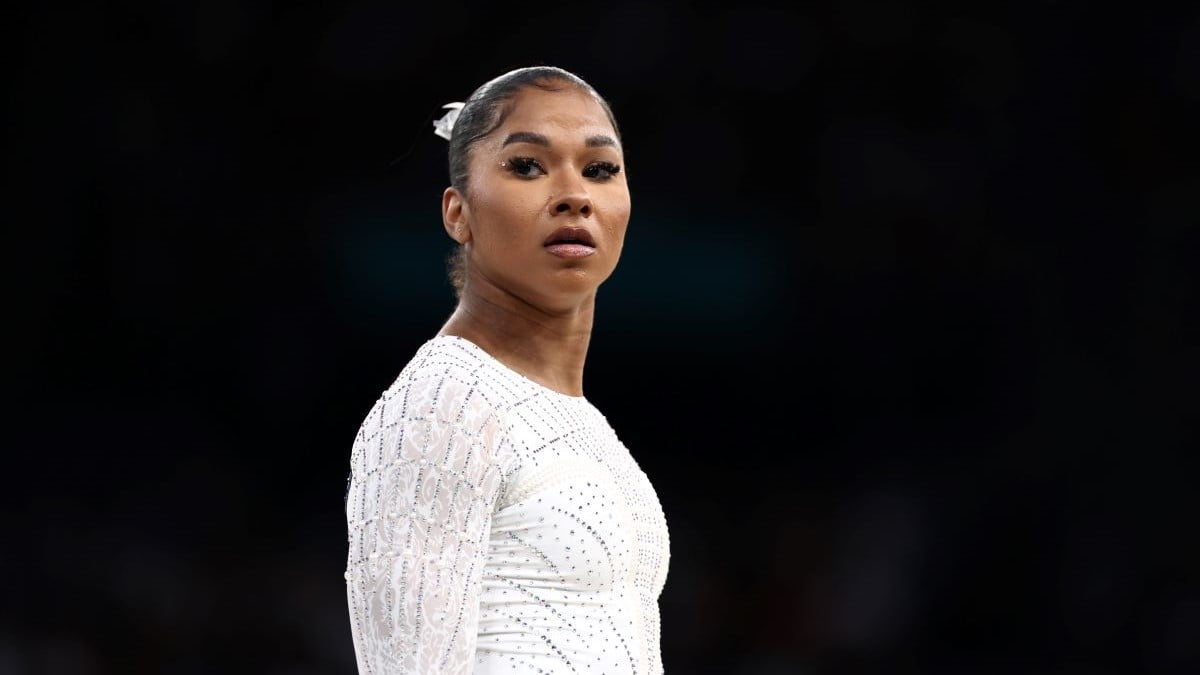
578, 549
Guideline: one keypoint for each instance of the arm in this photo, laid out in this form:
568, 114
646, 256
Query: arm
424, 483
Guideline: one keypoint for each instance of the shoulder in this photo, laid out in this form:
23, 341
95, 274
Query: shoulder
445, 380
442, 392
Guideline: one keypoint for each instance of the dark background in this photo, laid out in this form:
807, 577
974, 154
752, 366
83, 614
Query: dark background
905, 333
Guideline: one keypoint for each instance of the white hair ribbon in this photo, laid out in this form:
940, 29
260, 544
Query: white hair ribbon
444, 126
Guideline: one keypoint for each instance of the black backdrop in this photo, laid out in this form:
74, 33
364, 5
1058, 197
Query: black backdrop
904, 334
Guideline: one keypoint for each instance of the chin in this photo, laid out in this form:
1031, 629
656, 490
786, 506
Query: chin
569, 287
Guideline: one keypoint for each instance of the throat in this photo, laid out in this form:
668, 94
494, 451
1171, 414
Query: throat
548, 350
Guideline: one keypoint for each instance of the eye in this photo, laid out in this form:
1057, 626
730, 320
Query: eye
601, 170
525, 167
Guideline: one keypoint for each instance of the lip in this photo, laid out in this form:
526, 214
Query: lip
570, 241
570, 250
570, 235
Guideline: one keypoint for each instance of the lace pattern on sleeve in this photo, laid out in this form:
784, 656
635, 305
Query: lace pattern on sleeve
425, 476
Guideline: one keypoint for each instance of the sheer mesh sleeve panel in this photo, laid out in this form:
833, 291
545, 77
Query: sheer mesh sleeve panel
426, 471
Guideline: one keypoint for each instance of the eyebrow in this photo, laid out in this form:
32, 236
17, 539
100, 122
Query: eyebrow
526, 137
600, 141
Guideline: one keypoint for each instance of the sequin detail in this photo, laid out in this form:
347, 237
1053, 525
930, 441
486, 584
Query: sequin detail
497, 526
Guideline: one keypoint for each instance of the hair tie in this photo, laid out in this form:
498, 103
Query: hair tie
444, 126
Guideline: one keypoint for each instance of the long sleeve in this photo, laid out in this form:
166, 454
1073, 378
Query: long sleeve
426, 471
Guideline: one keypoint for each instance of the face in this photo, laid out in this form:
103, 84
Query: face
547, 205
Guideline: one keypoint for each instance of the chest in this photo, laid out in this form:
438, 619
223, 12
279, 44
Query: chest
577, 510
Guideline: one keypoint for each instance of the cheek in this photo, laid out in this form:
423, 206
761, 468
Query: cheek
618, 210
504, 218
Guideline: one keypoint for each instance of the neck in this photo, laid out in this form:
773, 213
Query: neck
548, 347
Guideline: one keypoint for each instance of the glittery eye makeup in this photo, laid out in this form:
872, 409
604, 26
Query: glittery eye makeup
601, 171
524, 167
529, 168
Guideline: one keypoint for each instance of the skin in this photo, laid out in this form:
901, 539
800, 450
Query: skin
529, 309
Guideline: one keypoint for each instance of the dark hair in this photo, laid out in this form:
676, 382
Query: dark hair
482, 113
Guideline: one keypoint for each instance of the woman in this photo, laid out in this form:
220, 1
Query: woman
497, 524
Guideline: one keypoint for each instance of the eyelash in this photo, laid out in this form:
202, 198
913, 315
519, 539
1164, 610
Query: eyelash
519, 166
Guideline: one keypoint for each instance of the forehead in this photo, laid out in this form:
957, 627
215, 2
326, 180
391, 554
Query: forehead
568, 111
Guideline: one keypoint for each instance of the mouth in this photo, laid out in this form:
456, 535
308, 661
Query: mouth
570, 235
570, 242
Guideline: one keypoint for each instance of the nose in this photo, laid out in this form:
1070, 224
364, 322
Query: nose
574, 200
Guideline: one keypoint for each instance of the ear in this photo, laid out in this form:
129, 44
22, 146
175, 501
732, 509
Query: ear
456, 216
